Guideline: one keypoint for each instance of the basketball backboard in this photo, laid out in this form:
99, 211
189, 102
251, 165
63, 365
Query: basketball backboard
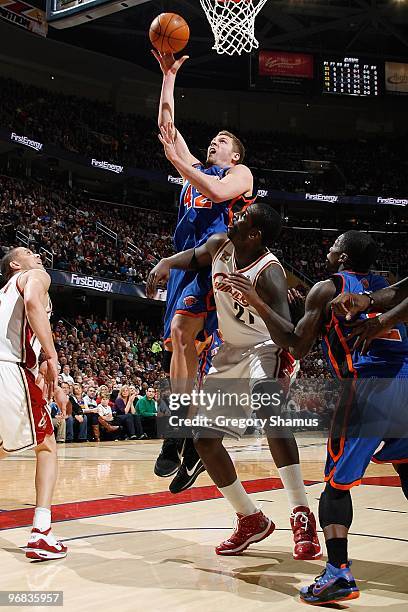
68, 13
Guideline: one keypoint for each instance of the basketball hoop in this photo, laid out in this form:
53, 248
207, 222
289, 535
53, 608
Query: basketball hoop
233, 24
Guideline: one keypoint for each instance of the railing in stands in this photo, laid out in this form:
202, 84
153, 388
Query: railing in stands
133, 248
100, 227
306, 279
48, 256
23, 238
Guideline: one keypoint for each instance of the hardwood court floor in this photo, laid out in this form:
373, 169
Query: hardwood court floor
134, 546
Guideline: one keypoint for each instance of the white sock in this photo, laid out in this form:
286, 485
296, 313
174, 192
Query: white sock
291, 477
42, 519
238, 498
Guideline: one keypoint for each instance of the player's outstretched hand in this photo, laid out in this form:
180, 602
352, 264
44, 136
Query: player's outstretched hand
158, 275
349, 304
243, 284
168, 63
167, 138
366, 331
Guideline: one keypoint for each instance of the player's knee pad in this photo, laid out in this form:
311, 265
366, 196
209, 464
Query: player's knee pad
335, 507
402, 470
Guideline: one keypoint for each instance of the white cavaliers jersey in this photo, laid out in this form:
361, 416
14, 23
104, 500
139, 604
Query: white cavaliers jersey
18, 343
239, 323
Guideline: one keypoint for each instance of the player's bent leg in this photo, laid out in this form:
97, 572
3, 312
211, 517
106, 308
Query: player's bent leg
336, 583
42, 545
252, 525
184, 361
183, 374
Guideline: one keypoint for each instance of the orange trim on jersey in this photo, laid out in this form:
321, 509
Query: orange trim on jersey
187, 313
343, 430
268, 263
331, 357
345, 487
327, 478
346, 348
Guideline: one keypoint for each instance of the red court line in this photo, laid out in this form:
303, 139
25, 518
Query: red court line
98, 507
382, 481
10, 519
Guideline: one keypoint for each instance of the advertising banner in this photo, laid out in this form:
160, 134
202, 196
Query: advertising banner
280, 63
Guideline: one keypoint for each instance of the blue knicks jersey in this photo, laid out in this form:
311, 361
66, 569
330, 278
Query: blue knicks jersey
199, 217
385, 354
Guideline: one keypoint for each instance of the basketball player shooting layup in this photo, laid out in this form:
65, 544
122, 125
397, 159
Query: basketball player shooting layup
377, 392
25, 422
209, 193
247, 359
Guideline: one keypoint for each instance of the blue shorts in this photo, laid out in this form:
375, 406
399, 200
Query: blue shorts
370, 423
191, 294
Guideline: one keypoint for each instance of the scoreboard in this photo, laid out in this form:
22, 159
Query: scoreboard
350, 76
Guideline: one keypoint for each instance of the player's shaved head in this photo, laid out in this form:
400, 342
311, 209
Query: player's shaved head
267, 220
360, 248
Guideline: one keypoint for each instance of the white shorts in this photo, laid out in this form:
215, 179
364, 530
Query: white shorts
236, 370
24, 416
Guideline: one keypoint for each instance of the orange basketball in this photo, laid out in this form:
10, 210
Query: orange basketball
169, 33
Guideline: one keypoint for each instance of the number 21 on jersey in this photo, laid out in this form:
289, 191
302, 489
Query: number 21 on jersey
196, 201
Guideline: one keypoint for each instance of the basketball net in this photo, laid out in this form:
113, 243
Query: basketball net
233, 24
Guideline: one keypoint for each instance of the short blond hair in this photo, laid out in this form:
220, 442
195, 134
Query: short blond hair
238, 147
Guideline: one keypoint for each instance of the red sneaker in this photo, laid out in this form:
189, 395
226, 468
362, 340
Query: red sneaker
303, 523
42, 546
249, 529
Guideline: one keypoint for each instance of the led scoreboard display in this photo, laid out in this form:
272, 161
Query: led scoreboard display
350, 76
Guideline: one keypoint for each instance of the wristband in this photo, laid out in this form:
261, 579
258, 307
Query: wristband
370, 297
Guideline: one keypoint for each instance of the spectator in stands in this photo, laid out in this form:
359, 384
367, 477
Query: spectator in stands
92, 413
123, 414
58, 421
105, 416
78, 419
66, 376
146, 408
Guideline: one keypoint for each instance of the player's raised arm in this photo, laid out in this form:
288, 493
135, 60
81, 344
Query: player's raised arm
170, 66
191, 259
237, 181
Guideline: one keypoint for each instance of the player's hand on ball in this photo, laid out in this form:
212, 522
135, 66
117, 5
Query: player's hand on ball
243, 284
366, 331
167, 138
168, 63
349, 304
158, 275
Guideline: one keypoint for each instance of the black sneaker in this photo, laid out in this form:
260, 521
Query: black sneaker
189, 470
169, 460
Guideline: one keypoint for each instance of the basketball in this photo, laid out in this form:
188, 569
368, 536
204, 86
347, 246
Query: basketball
169, 33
